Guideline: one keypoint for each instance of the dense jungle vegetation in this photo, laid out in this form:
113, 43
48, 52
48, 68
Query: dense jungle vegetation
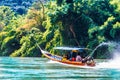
76, 23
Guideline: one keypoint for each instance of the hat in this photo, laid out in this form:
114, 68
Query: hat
74, 50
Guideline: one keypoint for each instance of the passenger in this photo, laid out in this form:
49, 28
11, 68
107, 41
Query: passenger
68, 55
73, 55
64, 58
78, 58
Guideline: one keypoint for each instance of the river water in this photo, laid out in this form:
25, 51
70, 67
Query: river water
44, 69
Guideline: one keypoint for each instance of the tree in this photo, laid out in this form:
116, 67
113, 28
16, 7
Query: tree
6, 14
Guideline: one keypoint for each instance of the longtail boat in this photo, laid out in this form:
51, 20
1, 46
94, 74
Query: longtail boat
87, 61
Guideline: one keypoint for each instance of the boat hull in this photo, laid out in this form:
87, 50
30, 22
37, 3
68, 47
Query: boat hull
60, 59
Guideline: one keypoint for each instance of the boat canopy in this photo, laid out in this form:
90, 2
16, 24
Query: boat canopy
70, 48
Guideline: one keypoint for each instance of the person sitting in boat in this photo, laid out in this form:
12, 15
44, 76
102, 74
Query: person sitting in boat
68, 55
73, 55
78, 57
64, 58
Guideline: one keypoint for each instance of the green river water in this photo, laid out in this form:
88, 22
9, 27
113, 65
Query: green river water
44, 69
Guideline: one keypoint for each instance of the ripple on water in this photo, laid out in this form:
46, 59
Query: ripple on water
41, 69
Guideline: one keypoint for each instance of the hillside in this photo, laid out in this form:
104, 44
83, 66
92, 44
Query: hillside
73, 23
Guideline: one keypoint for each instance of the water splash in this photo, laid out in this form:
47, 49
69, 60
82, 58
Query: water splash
100, 45
52, 62
114, 62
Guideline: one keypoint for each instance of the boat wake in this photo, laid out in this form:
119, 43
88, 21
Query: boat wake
113, 63
109, 64
51, 61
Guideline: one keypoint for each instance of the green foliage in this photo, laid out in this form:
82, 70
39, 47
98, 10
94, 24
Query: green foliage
28, 46
77, 23
6, 14
9, 45
88, 23
115, 4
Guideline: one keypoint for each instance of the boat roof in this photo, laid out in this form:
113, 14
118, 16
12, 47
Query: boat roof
70, 48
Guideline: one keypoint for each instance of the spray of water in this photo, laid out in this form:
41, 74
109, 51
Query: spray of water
114, 62
100, 45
